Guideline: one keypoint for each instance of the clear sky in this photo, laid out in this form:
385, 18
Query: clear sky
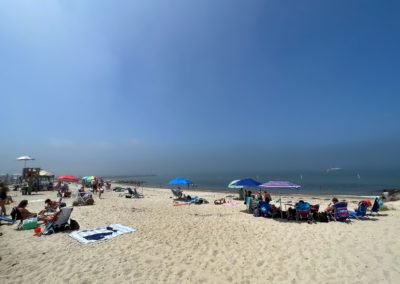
108, 87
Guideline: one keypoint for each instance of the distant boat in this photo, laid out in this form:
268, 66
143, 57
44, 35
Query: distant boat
358, 176
333, 169
301, 177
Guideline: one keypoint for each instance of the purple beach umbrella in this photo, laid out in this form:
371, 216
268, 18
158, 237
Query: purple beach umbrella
280, 184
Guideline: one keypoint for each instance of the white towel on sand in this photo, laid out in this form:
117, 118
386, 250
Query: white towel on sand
102, 233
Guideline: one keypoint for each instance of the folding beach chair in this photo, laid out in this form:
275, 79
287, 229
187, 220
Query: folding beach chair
61, 222
340, 212
361, 211
63, 217
83, 198
265, 209
303, 211
177, 193
376, 206
132, 193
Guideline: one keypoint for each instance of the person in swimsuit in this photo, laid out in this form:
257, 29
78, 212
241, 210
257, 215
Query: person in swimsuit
3, 198
25, 214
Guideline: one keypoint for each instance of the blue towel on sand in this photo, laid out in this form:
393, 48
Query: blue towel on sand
6, 219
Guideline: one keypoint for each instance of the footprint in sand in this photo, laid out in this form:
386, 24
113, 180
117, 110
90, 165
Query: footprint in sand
260, 263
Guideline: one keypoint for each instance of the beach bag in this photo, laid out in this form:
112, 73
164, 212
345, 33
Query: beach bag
89, 201
322, 217
49, 229
29, 224
73, 225
256, 212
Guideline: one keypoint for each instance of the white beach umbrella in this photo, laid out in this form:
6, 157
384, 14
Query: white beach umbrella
25, 158
44, 173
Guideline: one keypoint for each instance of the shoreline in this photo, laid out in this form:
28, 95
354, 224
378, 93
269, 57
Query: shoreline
274, 193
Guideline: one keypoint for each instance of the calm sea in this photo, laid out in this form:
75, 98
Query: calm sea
342, 182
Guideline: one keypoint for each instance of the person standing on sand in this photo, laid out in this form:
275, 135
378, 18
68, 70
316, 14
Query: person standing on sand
3, 198
100, 189
93, 184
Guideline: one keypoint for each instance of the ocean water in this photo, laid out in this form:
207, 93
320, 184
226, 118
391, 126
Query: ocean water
343, 182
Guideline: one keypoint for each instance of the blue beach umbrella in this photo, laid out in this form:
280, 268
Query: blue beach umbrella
247, 182
232, 184
180, 181
241, 183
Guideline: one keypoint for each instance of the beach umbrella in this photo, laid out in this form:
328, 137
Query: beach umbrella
25, 158
246, 182
44, 173
67, 178
180, 181
232, 184
88, 178
280, 184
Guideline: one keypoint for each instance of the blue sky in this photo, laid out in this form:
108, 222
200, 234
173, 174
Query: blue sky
97, 87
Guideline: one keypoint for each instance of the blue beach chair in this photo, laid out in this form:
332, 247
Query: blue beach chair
303, 211
265, 209
361, 211
340, 212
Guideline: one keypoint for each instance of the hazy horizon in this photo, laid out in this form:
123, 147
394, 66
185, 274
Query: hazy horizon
178, 87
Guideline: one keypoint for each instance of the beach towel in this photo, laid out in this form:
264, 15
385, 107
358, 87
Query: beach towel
231, 203
102, 233
6, 219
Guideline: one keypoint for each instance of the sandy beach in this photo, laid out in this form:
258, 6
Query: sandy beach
202, 244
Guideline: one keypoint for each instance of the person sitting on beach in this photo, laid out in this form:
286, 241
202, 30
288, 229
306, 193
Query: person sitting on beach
50, 206
330, 205
267, 197
48, 217
259, 195
219, 201
81, 191
253, 203
25, 214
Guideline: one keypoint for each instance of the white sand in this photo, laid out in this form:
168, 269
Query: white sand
202, 244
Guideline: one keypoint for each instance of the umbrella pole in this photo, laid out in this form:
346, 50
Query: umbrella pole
280, 200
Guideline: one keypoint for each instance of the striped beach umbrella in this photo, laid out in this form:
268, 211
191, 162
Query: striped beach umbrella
280, 184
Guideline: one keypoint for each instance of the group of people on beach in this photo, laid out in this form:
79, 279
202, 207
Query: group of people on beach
48, 214
260, 204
